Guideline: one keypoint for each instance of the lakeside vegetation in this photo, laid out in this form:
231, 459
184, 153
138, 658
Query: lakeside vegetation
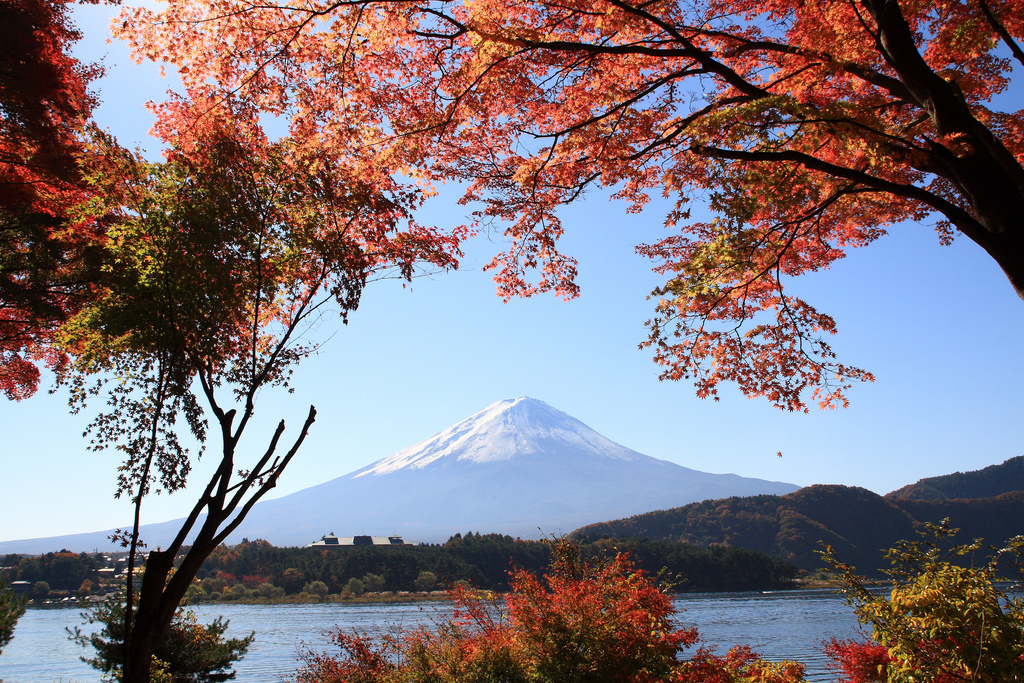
602, 620
258, 572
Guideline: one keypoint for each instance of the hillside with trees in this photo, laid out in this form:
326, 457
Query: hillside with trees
989, 482
857, 523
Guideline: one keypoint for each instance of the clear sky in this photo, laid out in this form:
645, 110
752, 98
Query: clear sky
939, 326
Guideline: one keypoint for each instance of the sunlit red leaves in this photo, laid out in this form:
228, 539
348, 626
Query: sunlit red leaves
608, 620
786, 118
19, 377
859, 662
363, 662
586, 622
43, 99
739, 665
44, 250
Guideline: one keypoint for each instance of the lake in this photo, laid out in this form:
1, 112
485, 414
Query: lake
780, 625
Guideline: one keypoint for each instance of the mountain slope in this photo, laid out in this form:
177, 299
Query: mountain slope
859, 524
989, 482
518, 467
514, 467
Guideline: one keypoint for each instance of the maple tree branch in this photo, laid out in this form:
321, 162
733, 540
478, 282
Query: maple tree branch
270, 483
900, 145
205, 501
892, 85
1001, 31
964, 221
620, 106
680, 126
204, 372
244, 484
704, 59
456, 101
303, 311
945, 104
461, 29
229, 440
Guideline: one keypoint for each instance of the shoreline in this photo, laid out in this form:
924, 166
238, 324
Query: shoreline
410, 596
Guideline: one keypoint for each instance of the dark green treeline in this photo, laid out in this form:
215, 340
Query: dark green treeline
484, 560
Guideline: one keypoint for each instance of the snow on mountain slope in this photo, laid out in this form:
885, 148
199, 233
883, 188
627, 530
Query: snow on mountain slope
511, 429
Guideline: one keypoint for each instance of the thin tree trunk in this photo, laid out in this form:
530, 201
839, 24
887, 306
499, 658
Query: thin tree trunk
160, 596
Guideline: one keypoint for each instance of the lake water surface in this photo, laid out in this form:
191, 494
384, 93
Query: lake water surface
781, 625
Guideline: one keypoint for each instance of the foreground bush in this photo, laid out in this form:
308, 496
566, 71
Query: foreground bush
189, 652
944, 620
12, 607
583, 622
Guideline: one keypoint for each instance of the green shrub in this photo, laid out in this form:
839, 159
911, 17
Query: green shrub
188, 653
373, 583
317, 588
944, 619
269, 590
12, 607
426, 581
239, 592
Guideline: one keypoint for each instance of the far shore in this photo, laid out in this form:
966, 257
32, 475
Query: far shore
393, 596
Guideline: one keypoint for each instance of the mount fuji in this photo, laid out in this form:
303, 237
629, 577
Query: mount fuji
518, 467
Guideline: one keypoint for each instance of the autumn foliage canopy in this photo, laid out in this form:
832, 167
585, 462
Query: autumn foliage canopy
805, 128
216, 265
46, 256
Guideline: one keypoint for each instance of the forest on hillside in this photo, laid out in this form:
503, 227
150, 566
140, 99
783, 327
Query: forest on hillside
857, 523
989, 482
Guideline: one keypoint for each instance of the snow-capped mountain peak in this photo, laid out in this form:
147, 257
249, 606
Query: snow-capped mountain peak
510, 429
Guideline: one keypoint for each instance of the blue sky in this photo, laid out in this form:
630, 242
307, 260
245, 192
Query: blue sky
939, 326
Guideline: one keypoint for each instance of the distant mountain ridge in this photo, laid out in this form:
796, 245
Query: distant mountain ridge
989, 482
858, 523
518, 467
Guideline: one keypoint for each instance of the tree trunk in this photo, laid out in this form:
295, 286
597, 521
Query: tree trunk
149, 624
159, 596
986, 174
